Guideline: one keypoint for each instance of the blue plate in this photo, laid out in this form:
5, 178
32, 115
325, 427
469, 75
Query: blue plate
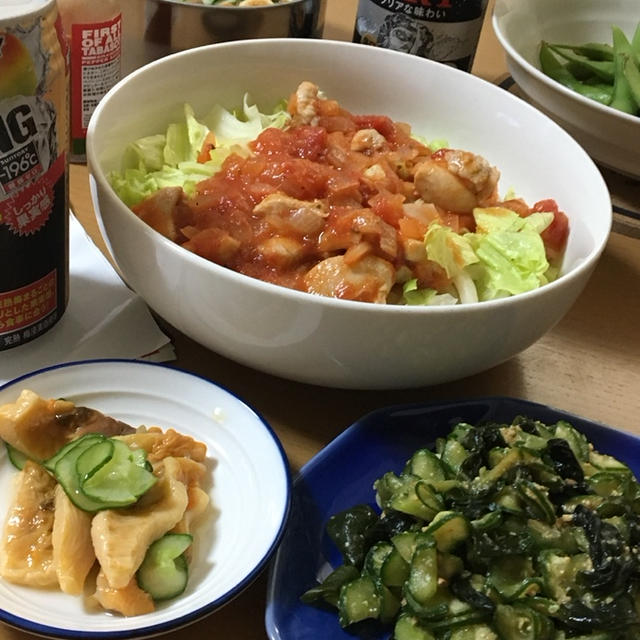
342, 475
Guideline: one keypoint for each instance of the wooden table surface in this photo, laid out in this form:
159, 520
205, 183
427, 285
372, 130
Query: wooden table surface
588, 364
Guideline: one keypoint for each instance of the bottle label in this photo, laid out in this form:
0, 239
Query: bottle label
95, 67
442, 30
34, 209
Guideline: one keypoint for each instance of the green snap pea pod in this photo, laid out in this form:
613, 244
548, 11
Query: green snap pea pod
603, 69
632, 73
553, 68
591, 50
635, 44
622, 98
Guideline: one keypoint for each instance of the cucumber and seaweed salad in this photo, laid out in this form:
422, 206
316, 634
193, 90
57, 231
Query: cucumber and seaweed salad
518, 531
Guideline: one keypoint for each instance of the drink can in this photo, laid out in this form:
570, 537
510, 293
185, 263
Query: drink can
442, 30
34, 200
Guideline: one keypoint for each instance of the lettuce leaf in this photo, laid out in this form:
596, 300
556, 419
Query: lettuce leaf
414, 296
504, 256
510, 250
171, 158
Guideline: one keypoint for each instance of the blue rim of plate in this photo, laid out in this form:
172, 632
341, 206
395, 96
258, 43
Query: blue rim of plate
25, 624
350, 463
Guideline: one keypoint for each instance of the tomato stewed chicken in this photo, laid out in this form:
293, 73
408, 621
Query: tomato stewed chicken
336, 204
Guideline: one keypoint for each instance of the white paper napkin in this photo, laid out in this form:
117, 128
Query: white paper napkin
104, 318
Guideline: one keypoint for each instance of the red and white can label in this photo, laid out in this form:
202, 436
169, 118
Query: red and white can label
34, 204
95, 67
28, 311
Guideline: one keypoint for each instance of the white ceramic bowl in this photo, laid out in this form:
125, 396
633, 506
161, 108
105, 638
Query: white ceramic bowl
611, 137
249, 492
322, 340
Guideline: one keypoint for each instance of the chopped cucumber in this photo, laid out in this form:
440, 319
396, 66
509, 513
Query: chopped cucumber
512, 532
389, 603
359, 600
449, 528
67, 475
101, 473
426, 465
375, 558
118, 482
91, 459
17, 458
51, 463
164, 572
408, 628
518, 622
423, 572
394, 570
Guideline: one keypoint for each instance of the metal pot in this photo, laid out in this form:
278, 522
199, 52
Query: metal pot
172, 25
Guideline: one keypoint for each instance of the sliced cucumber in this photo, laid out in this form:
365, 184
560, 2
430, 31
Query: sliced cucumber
408, 628
389, 603
518, 622
91, 459
120, 481
139, 457
67, 475
415, 498
454, 455
164, 572
51, 463
577, 441
423, 572
474, 632
17, 458
375, 558
426, 465
394, 570
449, 528
101, 473
359, 600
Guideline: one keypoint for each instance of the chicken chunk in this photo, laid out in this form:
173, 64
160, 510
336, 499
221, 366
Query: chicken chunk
281, 251
367, 280
191, 473
120, 551
73, 553
306, 98
367, 140
456, 180
290, 215
158, 211
39, 427
161, 444
26, 549
129, 600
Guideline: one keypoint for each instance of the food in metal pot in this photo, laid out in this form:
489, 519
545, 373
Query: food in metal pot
239, 3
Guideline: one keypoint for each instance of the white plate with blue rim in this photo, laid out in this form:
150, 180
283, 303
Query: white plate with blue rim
249, 490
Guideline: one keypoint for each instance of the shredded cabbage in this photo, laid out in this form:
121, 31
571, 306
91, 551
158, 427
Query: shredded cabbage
170, 159
504, 256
